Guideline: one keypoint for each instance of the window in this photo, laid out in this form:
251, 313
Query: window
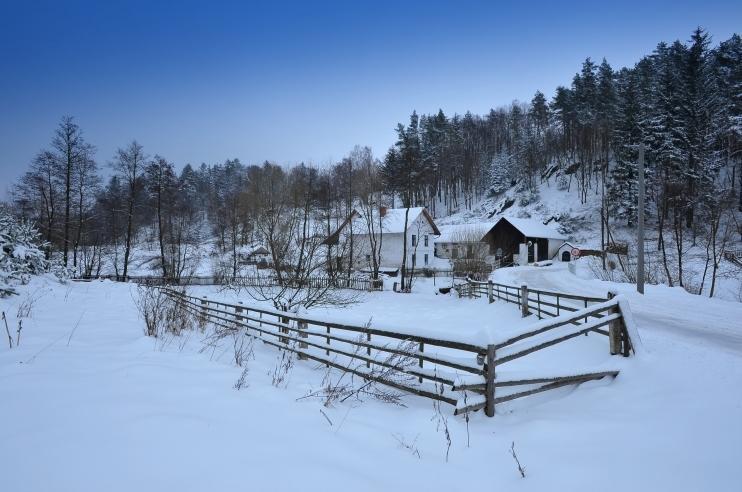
426, 240
414, 240
413, 259
426, 256
455, 253
368, 258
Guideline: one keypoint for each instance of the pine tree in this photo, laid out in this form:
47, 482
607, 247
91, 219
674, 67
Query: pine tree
21, 254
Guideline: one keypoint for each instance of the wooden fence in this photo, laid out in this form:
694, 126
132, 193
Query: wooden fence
267, 281
542, 303
451, 370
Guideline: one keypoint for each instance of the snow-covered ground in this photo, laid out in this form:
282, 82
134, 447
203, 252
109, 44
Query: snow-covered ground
87, 402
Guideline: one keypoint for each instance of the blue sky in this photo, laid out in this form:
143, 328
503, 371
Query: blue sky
290, 82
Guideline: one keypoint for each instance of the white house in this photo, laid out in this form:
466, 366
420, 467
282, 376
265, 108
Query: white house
420, 233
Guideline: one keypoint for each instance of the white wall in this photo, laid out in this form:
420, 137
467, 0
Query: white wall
554, 245
392, 245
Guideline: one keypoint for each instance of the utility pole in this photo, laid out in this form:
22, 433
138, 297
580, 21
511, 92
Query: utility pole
640, 223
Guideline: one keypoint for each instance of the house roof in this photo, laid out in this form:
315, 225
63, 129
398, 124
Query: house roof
392, 222
453, 233
533, 228
394, 219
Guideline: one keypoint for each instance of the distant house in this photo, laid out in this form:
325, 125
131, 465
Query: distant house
523, 241
420, 231
254, 255
564, 252
465, 242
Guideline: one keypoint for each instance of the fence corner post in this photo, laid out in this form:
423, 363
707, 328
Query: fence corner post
614, 330
302, 325
238, 313
524, 300
204, 302
489, 376
490, 299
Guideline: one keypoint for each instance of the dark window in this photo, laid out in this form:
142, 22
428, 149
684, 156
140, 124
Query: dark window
413, 258
414, 239
566, 256
426, 256
368, 258
426, 240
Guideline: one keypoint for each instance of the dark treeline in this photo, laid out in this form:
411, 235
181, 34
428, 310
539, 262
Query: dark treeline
683, 102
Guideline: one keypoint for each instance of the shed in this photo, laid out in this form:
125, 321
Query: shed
564, 252
523, 241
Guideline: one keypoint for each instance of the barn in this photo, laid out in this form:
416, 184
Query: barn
522, 241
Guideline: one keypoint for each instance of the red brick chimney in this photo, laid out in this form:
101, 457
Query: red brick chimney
382, 211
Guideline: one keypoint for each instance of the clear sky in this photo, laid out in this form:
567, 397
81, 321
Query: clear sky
305, 81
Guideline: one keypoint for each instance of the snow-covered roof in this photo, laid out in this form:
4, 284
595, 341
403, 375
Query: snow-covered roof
534, 228
394, 219
392, 222
453, 233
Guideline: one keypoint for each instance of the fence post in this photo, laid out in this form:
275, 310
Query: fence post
238, 314
524, 300
285, 321
614, 331
204, 302
327, 352
302, 325
489, 376
538, 301
420, 362
489, 292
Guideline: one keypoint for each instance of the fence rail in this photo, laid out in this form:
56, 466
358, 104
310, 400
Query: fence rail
352, 283
443, 369
542, 303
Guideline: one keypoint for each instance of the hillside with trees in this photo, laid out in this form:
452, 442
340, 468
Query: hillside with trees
683, 102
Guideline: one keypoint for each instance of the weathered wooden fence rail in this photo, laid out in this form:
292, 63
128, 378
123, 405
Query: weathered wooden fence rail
542, 303
267, 281
444, 369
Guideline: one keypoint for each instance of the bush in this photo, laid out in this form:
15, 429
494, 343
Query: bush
21, 254
161, 313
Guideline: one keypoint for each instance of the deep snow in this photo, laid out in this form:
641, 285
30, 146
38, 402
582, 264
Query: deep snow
87, 402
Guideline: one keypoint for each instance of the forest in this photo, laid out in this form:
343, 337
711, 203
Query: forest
683, 102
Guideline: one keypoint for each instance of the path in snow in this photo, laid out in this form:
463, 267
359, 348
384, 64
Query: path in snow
696, 319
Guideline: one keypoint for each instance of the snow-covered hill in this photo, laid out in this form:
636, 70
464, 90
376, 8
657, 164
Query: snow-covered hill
557, 202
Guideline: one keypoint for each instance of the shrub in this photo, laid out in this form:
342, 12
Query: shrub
21, 254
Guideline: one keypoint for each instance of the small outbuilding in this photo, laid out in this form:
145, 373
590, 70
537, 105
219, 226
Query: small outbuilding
523, 241
564, 252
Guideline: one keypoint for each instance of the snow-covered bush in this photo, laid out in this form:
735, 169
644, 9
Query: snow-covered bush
62, 272
21, 254
528, 196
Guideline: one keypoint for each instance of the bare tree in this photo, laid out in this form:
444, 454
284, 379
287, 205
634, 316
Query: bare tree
370, 186
129, 164
72, 152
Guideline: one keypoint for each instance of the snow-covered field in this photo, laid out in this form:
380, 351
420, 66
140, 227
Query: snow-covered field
87, 402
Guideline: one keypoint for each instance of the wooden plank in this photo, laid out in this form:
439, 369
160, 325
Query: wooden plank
280, 335
547, 387
555, 341
553, 379
489, 377
564, 320
464, 346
